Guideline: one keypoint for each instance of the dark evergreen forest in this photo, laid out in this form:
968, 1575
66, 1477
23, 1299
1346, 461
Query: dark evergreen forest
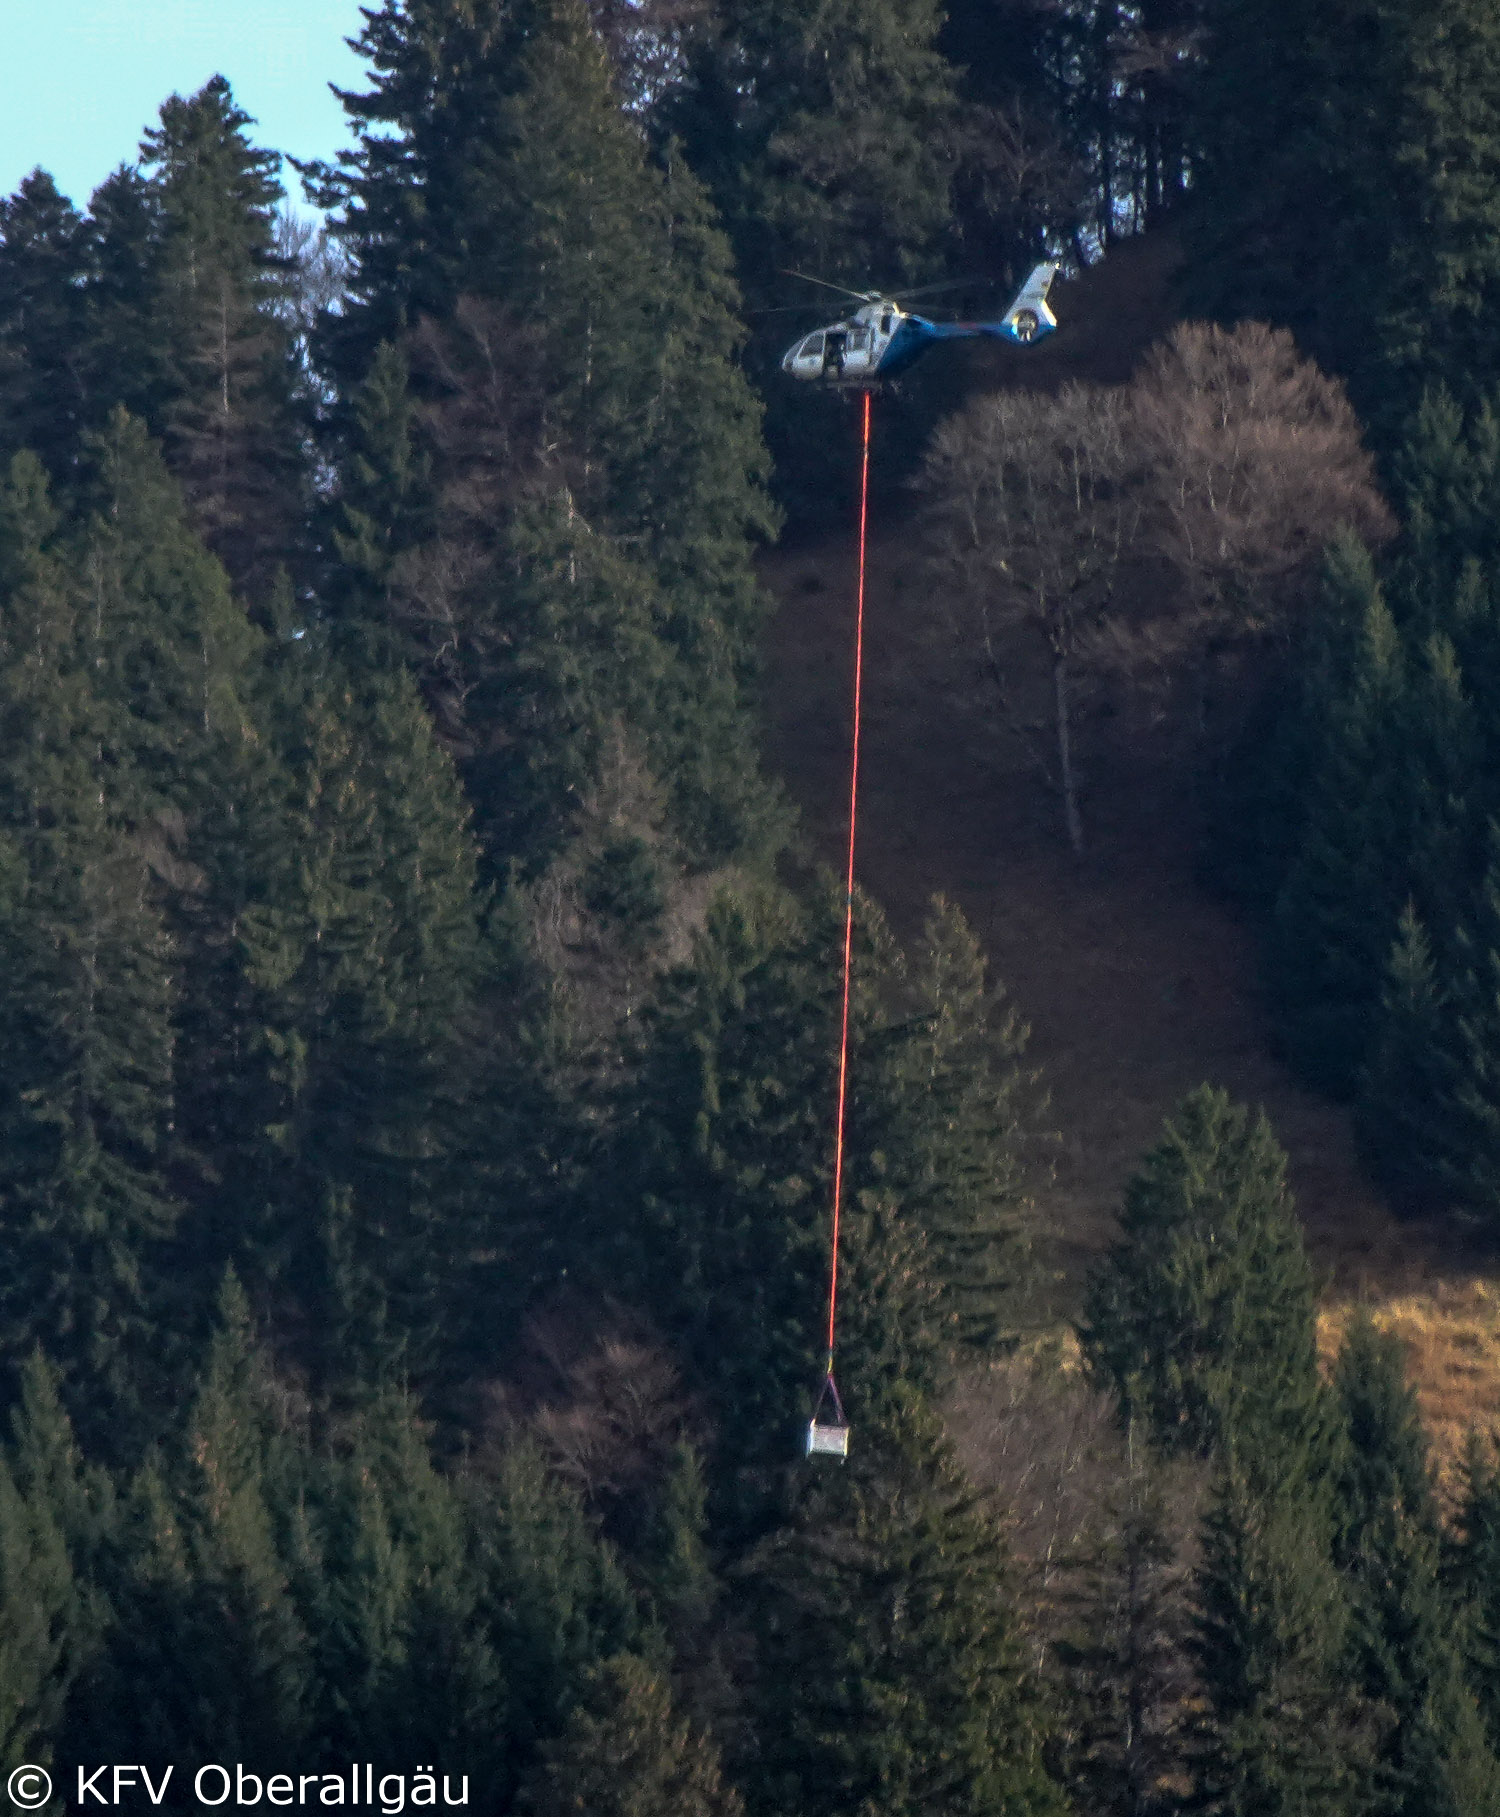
419, 1007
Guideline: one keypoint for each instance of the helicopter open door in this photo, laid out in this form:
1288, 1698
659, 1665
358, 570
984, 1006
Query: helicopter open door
805, 360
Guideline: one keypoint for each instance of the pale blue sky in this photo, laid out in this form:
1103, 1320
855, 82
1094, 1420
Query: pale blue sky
80, 79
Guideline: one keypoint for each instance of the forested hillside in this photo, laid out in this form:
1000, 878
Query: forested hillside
420, 994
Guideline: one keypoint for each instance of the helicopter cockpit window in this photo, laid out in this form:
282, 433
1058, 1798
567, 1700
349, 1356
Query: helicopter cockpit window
859, 339
812, 347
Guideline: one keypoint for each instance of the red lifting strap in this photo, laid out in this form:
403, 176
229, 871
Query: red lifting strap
859, 660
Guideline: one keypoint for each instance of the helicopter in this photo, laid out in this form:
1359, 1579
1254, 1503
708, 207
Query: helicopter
880, 340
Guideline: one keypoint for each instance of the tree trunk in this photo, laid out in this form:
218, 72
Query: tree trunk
1067, 778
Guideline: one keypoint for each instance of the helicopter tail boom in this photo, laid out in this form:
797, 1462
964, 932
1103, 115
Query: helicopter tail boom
1027, 320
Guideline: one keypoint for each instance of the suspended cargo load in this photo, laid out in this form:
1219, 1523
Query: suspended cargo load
828, 1432
827, 1441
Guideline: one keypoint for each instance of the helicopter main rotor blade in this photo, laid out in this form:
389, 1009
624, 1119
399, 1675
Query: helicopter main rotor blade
927, 290
864, 296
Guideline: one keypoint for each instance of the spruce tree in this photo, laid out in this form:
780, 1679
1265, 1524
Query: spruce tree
357, 954
1385, 266
1445, 160
1409, 1073
1336, 912
554, 1600
1473, 1573
1430, 1754
173, 658
625, 1752
59, 1532
1465, 1109
890, 1674
576, 355
1202, 1318
825, 141
420, 178
42, 375
830, 143
389, 1584
205, 1648
128, 352
383, 508
952, 1129
86, 1097
38, 1624
228, 419
1276, 1731
1445, 476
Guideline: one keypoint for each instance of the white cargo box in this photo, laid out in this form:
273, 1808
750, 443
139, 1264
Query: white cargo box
827, 1440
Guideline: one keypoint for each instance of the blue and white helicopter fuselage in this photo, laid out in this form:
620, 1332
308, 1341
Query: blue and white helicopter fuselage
880, 340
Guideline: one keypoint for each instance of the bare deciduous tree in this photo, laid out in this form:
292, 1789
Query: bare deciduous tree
1032, 504
1252, 459
1215, 479
1104, 1534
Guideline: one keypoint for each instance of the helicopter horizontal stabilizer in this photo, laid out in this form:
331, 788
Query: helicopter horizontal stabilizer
1029, 317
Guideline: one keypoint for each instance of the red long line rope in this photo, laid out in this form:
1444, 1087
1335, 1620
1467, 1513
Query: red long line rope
859, 666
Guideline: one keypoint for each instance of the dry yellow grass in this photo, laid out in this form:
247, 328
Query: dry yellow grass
1451, 1329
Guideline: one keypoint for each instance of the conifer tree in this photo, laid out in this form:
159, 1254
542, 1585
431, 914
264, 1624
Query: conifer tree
86, 1098
1395, 109
1277, 1733
358, 952
1201, 1319
129, 359
420, 179
889, 1672
611, 269
228, 418
637, 348
1464, 1113
38, 1625
729, 1137
826, 142
1336, 913
175, 674
201, 1597
1445, 476
1409, 1073
729, 1164
1430, 1754
382, 507
1473, 1573
830, 143
1445, 159
42, 379
58, 1532
555, 1601
952, 1129
172, 655
625, 1752
1406, 1080
557, 666
390, 1587
51, 1473
726, 1155
585, 414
